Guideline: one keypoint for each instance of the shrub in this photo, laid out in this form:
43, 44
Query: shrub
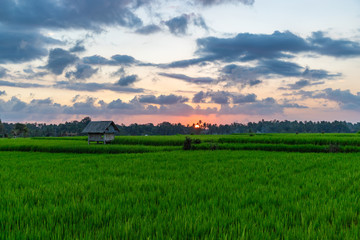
187, 143
334, 148
213, 146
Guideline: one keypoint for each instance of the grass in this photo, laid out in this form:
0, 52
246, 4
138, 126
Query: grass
142, 144
179, 195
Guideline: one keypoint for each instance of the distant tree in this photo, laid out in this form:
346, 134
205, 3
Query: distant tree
2, 129
20, 129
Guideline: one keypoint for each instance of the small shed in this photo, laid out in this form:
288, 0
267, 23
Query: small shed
101, 131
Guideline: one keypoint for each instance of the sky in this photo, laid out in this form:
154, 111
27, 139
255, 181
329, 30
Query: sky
150, 61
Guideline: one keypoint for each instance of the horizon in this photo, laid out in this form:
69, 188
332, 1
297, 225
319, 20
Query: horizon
172, 61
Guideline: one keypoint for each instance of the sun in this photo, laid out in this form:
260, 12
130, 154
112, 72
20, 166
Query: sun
197, 126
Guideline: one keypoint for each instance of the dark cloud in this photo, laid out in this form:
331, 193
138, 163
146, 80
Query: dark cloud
281, 68
59, 59
198, 80
119, 72
149, 29
162, 99
116, 60
128, 80
75, 86
83, 71
123, 59
219, 97
79, 47
2, 93
248, 47
93, 87
218, 2
200, 22
336, 48
249, 76
244, 98
31, 74
223, 97
21, 84
3, 72
90, 14
21, 45
186, 63
344, 98
178, 25
119, 104
267, 106
243, 75
199, 97
97, 60
268, 49
300, 84
318, 74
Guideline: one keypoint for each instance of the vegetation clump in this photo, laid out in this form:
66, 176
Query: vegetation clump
187, 143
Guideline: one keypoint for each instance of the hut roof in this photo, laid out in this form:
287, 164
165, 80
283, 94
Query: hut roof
101, 127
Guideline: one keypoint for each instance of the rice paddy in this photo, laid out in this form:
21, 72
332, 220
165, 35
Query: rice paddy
63, 188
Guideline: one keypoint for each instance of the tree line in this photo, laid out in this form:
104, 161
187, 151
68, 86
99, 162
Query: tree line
74, 128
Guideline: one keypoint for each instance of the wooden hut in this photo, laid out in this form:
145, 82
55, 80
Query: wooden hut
101, 131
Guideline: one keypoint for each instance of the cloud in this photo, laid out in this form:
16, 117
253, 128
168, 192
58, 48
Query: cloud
318, 74
59, 59
223, 97
66, 14
3, 72
300, 84
178, 25
83, 71
162, 99
75, 86
19, 45
93, 87
248, 47
46, 109
249, 76
21, 84
123, 59
79, 47
96, 60
148, 29
336, 48
344, 98
198, 80
240, 98
186, 63
219, 97
267, 106
37, 110
199, 97
116, 60
218, 2
243, 75
127, 80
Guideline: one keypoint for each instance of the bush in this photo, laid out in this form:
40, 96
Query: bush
334, 148
187, 143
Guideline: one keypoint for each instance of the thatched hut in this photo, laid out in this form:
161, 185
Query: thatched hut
101, 131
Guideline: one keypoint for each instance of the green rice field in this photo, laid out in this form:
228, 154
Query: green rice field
271, 186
